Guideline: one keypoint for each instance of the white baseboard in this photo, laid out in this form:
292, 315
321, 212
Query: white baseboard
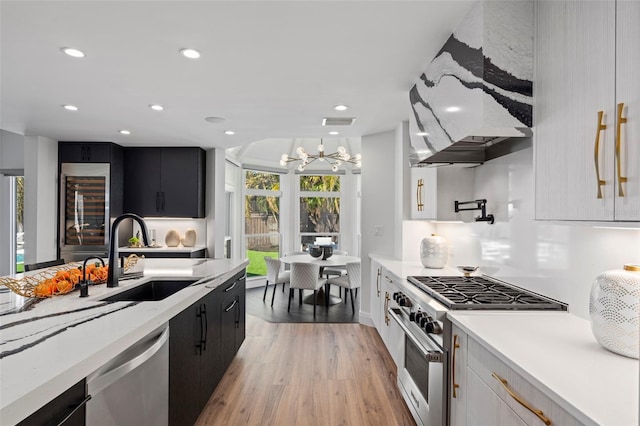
365, 319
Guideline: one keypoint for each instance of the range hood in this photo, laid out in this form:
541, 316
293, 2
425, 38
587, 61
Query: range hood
474, 100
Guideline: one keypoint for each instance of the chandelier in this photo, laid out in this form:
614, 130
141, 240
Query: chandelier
335, 159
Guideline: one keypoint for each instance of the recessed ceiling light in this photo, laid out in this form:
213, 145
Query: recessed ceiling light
190, 53
452, 109
214, 120
229, 132
341, 107
73, 52
422, 134
156, 107
70, 107
334, 133
125, 132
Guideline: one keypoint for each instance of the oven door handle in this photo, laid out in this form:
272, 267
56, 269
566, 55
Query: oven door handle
433, 354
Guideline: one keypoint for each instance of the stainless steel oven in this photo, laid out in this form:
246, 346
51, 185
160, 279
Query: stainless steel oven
422, 375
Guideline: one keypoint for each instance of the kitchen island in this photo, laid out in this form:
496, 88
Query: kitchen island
59, 341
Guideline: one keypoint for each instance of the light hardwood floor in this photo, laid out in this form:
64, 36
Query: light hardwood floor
308, 374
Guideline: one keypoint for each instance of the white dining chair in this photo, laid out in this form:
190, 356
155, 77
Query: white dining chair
336, 270
304, 276
275, 276
349, 282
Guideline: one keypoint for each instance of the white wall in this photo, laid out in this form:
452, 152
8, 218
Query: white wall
11, 151
215, 208
40, 199
379, 208
557, 259
233, 185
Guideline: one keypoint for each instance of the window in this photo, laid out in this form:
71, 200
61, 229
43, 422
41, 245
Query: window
262, 219
319, 208
19, 222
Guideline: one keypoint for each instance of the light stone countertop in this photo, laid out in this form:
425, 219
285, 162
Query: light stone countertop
60, 341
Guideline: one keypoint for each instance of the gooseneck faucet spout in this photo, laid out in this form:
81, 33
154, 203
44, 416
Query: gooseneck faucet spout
84, 284
114, 271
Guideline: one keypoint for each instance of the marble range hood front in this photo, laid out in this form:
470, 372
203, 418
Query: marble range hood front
475, 97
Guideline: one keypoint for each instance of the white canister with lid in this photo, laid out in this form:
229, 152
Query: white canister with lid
614, 308
434, 252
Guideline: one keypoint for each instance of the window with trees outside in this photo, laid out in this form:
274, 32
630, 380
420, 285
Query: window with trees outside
319, 209
262, 219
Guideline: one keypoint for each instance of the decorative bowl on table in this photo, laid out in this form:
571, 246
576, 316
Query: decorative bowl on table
327, 252
315, 251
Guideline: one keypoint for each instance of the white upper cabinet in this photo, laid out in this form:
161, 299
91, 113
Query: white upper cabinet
627, 206
423, 193
584, 66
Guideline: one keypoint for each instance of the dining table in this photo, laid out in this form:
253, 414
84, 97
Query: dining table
336, 260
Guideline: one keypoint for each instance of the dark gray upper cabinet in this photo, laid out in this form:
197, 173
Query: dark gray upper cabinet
85, 152
166, 182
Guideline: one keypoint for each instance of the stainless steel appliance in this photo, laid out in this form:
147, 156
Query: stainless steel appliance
133, 388
421, 313
85, 211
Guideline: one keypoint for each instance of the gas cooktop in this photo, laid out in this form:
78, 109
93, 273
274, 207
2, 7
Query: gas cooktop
482, 292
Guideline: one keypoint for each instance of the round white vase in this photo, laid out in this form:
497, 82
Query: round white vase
434, 252
172, 239
614, 307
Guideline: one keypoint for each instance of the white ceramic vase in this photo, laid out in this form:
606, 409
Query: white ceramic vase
434, 252
189, 239
614, 307
172, 239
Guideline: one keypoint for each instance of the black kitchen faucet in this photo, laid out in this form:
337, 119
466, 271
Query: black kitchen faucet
114, 270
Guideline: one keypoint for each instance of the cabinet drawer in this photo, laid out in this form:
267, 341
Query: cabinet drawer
487, 366
485, 407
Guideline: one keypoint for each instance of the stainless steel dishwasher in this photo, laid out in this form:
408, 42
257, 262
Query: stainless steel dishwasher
133, 388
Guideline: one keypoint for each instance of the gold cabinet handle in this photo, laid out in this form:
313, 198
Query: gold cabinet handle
378, 281
521, 401
386, 307
456, 345
596, 153
419, 195
620, 122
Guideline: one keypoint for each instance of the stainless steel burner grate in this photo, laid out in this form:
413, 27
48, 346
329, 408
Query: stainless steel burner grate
481, 292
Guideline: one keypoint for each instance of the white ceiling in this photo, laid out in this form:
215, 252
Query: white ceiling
271, 69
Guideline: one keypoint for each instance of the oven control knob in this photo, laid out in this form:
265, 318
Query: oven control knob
405, 302
418, 316
397, 295
424, 321
428, 327
412, 316
433, 328
436, 328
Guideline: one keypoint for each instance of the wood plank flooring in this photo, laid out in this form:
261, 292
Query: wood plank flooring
308, 374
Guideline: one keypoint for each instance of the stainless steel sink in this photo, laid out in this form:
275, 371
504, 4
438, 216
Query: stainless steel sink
150, 291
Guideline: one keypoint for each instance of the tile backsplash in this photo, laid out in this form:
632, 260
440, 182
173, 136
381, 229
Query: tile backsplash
557, 259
